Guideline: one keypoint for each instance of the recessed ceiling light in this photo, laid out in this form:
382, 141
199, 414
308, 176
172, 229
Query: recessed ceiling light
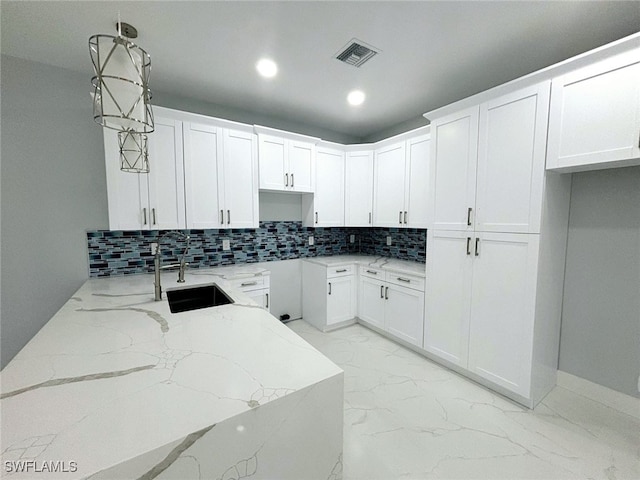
356, 97
267, 68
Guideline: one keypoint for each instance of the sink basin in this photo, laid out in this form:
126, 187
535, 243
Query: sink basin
184, 299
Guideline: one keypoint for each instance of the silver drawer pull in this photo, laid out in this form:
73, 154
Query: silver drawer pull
341, 271
404, 279
372, 272
248, 284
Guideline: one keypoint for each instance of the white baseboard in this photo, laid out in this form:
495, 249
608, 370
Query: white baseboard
611, 398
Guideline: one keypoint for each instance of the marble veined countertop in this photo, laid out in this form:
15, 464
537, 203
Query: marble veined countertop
384, 263
114, 375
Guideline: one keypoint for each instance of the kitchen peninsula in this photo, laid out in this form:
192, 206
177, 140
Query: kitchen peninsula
116, 386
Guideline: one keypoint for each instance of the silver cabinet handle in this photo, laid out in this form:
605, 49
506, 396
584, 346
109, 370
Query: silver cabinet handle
292, 185
386, 293
228, 217
248, 284
316, 217
342, 270
400, 218
371, 271
468, 245
286, 176
469, 210
221, 217
405, 217
267, 300
329, 288
381, 291
153, 212
477, 249
144, 215
404, 280
369, 218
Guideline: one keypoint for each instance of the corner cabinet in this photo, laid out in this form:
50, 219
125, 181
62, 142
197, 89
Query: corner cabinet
286, 164
220, 177
594, 120
153, 201
328, 295
401, 177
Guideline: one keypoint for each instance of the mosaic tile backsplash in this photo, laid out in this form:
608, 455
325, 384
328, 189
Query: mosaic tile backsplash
128, 252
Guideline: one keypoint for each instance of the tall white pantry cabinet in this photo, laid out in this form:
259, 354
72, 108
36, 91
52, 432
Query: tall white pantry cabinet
495, 258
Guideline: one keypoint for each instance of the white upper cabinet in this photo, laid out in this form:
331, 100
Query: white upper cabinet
511, 153
417, 180
454, 148
388, 187
220, 177
148, 201
490, 164
594, 120
285, 165
329, 194
358, 207
240, 174
202, 152
401, 183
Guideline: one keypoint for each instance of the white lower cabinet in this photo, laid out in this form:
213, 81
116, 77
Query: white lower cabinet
480, 305
328, 295
392, 302
256, 287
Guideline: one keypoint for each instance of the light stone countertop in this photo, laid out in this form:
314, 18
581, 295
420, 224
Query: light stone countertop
114, 374
384, 263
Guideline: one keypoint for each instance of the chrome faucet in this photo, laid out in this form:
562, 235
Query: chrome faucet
156, 262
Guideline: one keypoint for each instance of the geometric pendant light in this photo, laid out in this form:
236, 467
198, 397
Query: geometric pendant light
134, 152
122, 99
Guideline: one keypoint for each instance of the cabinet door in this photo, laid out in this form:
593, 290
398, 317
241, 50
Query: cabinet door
448, 295
340, 299
388, 187
329, 194
359, 189
594, 120
261, 297
272, 160
454, 149
166, 175
418, 179
202, 153
301, 158
511, 155
502, 309
404, 313
371, 301
127, 192
240, 183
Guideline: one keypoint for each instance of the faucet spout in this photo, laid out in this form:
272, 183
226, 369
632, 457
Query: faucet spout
157, 263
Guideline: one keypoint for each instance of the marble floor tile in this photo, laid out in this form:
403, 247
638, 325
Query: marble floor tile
406, 417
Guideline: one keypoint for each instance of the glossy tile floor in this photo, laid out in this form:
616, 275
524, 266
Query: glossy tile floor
406, 417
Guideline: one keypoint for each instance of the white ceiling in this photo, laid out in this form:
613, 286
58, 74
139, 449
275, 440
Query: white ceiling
433, 53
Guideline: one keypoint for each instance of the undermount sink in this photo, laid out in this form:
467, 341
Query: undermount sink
183, 299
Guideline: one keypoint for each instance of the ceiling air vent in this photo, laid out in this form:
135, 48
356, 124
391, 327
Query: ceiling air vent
356, 53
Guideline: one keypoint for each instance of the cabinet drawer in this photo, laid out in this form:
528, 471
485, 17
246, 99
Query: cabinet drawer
341, 271
406, 280
371, 272
250, 283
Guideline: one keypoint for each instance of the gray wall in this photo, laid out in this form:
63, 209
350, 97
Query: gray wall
52, 189
600, 338
187, 104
